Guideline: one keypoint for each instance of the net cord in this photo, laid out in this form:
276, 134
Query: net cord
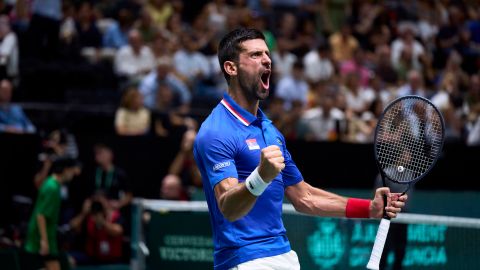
405, 218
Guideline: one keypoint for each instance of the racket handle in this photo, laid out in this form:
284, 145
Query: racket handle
374, 262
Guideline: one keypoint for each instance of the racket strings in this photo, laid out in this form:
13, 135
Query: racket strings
409, 138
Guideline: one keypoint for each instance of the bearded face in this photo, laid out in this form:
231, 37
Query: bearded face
254, 70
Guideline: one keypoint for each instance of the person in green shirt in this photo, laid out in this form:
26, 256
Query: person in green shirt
42, 228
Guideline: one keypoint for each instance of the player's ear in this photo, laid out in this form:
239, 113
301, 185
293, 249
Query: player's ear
230, 67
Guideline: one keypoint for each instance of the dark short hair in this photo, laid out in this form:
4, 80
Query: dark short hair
230, 45
63, 163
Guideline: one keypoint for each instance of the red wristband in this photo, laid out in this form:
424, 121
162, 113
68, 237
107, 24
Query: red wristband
357, 208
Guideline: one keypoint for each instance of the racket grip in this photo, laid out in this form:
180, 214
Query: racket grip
374, 262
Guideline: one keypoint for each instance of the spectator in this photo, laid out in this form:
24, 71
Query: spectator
8, 50
183, 165
289, 38
357, 65
282, 61
216, 13
160, 11
110, 180
132, 118
384, 68
88, 35
318, 66
358, 98
343, 44
163, 75
116, 34
414, 86
59, 144
146, 26
428, 23
190, 64
276, 112
169, 114
172, 189
135, 60
469, 51
321, 122
42, 228
361, 128
12, 117
99, 231
407, 42
472, 99
448, 36
260, 22
293, 88
44, 28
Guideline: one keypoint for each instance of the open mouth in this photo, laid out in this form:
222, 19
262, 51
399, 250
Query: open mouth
266, 79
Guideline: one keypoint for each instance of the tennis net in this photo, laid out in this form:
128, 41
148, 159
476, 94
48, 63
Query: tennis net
177, 235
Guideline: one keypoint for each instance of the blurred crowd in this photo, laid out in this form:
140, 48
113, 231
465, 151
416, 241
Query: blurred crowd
337, 64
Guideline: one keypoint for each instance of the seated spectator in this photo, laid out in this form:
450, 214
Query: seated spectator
321, 122
361, 128
8, 50
358, 97
183, 165
163, 74
472, 99
407, 41
43, 30
116, 35
12, 117
169, 114
414, 85
357, 65
294, 87
384, 68
191, 64
343, 44
85, 35
318, 66
134, 60
171, 188
132, 118
276, 112
282, 62
99, 233
288, 36
110, 181
160, 11
147, 28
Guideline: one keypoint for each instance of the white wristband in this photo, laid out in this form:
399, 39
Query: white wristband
255, 183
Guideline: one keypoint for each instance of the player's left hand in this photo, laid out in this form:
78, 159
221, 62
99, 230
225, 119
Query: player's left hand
395, 203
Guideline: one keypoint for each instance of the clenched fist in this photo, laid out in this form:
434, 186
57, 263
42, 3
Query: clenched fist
271, 163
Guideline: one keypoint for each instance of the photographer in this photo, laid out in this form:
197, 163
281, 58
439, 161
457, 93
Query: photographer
58, 144
99, 230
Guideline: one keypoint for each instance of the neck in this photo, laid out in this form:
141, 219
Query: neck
57, 178
107, 167
251, 105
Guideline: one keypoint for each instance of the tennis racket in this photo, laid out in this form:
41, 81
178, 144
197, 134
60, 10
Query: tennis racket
408, 141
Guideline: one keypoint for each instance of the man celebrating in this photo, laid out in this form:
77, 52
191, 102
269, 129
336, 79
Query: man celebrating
247, 169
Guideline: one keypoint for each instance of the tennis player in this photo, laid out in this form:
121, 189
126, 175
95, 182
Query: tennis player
247, 169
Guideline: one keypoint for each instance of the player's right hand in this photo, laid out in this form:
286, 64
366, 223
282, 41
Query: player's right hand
271, 163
